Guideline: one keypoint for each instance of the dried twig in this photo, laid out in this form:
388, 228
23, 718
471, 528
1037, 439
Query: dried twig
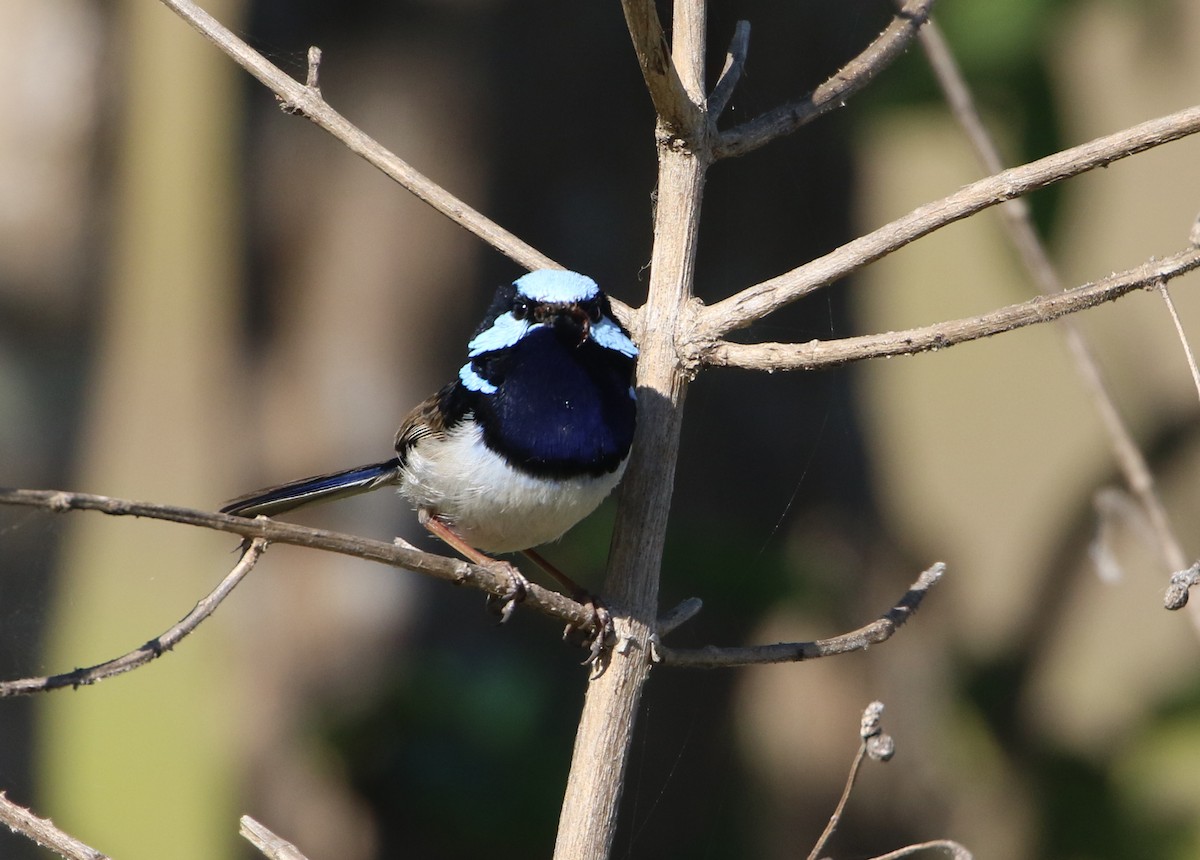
271, 846
547, 602
1183, 338
153, 649
731, 72
306, 99
881, 747
825, 353
877, 631
876, 745
832, 94
43, 832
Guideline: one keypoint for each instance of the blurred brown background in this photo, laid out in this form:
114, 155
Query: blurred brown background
200, 295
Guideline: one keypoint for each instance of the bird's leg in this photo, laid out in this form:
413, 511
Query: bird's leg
576, 592
517, 583
601, 617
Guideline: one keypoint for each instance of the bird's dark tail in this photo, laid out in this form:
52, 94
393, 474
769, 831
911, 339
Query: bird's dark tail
319, 488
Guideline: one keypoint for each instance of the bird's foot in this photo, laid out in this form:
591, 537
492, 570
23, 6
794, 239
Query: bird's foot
598, 633
518, 586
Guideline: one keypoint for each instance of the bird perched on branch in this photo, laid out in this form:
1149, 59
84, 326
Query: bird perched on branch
527, 441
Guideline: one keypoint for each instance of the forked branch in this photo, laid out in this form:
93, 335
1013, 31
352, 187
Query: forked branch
676, 111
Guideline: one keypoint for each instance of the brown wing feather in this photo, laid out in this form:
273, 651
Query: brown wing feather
425, 420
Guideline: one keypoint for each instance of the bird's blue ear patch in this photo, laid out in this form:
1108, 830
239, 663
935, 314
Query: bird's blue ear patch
503, 333
473, 381
556, 286
609, 335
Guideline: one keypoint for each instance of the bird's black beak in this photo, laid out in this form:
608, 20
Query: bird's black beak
577, 318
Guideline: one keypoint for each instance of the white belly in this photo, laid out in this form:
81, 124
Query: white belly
491, 505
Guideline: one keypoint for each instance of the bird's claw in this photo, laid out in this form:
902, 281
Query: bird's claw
518, 587
602, 631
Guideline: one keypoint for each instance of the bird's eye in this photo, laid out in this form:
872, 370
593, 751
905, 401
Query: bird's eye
520, 309
593, 312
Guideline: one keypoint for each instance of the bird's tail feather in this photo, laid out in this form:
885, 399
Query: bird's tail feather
319, 488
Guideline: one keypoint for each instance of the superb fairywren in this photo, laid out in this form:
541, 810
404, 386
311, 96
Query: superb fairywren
527, 441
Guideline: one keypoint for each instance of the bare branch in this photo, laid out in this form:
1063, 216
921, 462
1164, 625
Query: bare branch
153, 649
731, 73
299, 98
271, 846
836, 817
587, 822
877, 631
1040, 309
306, 99
876, 745
543, 600
43, 832
1183, 338
833, 93
676, 110
679, 615
757, 301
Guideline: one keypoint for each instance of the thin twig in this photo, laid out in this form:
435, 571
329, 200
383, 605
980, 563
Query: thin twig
153, 649
832, 94
1183, 338
44, 832
679, 615
1040, 309
543, 600
272, 846
731, 73
758, 301
877, 631
296, 97
836, 817
875, 744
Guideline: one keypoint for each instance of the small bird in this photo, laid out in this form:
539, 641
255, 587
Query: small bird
526, 442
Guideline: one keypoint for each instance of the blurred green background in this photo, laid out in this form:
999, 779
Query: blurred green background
200, 295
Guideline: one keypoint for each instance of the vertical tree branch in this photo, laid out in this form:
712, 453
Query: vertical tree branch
588, 821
